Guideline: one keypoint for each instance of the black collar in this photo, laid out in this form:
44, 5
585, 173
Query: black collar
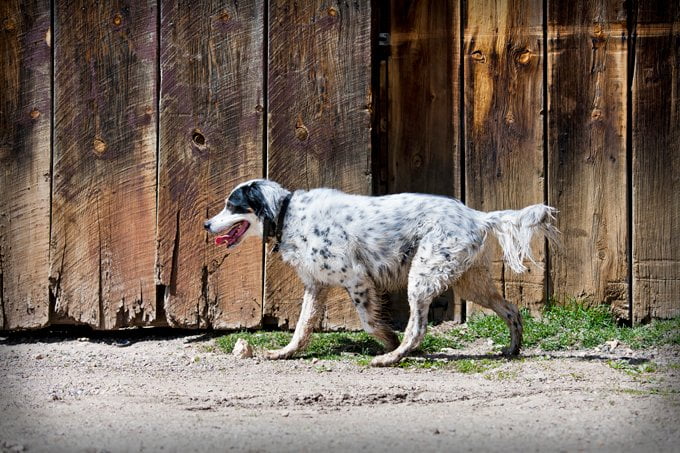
278, 228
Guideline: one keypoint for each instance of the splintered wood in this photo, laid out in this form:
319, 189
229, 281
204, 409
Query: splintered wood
656, 161
210, 140
104, 182
25, 111
504, 125
126, 126
320, 124
587, 79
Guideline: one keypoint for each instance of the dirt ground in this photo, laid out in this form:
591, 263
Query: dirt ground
175, 393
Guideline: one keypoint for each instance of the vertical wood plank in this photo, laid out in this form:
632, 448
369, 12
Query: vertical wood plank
503, 62
104, 189
424, 114
423, 98
587, 88
25, 112
319, 123
656, 160
210, 140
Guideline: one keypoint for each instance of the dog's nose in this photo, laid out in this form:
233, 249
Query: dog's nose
206, 224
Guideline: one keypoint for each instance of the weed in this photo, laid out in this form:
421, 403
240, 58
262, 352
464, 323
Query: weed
633, 369
559, 327
501, 375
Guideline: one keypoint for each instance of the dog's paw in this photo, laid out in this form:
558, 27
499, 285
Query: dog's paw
385, 360
278, 354
510, 351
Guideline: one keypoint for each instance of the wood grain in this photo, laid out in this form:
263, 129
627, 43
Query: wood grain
503, 67
424, 116
210, 140
656, 160
320, 124
104, 189
587, 89
25, 111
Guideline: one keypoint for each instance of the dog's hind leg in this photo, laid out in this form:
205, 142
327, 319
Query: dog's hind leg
304, 327
369, 305
477, 285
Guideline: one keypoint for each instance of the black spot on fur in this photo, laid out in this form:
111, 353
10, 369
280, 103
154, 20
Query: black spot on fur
349, 218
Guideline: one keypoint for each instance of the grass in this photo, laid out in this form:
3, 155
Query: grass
571, 326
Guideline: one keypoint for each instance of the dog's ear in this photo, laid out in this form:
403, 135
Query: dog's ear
259, 203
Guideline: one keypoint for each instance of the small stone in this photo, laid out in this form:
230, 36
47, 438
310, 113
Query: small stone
83, 339
39, 357
242, 349
612, 344
315, 360
285, 414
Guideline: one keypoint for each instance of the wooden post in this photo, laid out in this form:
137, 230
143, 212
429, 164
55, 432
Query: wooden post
424, 112
319, 124
587, 87
211, 126
104, 189
25, 112
655, 146
503, 59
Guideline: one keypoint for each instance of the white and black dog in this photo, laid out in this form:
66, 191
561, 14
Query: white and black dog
370, 245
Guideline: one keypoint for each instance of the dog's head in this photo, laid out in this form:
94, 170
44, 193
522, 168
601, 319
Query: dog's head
248, 210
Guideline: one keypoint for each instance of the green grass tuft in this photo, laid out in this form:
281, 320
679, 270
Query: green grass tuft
560, 327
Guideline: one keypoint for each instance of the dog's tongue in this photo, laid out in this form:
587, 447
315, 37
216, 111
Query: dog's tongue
219, 240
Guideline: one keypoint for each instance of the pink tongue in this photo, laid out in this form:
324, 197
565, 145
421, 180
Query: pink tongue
219, 240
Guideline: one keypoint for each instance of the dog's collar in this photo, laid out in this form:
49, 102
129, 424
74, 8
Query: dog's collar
278, 228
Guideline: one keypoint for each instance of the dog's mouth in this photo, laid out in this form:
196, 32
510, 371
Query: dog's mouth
234, 234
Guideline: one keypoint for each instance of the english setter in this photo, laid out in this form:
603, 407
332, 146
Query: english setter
370, 245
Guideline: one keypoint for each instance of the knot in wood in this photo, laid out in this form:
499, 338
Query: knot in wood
99, 146
117, 19
417, 161
224, 17
35, 114
9, 24
596, 115
478, 56
198, 138
332, 11
523, 56
301, 132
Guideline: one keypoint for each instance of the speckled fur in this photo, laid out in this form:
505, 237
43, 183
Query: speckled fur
370, 245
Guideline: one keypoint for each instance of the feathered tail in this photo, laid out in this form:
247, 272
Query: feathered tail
515, 229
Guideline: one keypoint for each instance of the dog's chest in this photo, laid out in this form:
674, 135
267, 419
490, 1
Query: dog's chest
319, 252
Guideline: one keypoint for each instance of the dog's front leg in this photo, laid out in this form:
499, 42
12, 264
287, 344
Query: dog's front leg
304, 327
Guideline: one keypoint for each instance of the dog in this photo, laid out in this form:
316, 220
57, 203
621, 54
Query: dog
371, 245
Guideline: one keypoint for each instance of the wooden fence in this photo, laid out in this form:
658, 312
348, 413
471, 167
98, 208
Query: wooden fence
124, 124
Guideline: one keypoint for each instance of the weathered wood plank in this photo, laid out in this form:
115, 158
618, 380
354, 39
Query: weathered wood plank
210, 139
587, 175
503, 67
104, 189
424, 115
320, 124
25, 111
656, 160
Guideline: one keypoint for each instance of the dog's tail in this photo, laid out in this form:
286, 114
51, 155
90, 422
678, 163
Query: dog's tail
515, 229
